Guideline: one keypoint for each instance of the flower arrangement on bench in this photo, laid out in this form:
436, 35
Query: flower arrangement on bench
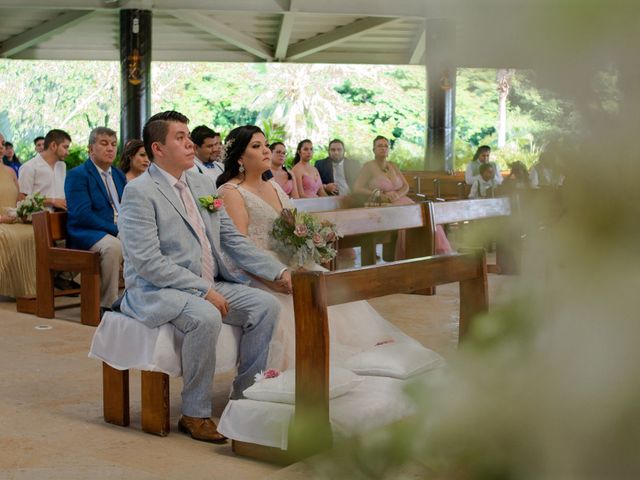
31, 204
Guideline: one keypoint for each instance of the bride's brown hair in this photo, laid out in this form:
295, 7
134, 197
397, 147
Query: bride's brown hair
234, 146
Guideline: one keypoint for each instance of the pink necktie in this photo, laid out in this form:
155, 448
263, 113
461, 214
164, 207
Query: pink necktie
195, 221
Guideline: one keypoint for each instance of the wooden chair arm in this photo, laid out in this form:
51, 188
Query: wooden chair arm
72, 260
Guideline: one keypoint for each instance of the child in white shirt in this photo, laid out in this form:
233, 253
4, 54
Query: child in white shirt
484, 185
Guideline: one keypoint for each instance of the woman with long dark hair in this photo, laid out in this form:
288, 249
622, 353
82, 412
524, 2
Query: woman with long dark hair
279, 172
306, 175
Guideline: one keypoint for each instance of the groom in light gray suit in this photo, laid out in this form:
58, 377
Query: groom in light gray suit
174, 271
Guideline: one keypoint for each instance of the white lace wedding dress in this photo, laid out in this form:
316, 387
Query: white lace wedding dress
353, 327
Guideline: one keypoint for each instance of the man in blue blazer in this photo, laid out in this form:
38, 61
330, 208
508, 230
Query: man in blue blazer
338, 174
94, 191
175, 270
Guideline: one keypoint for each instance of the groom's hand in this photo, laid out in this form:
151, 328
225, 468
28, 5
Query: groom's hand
218, 301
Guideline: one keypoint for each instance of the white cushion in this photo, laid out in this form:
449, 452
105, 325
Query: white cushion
375, 402
282, 389
125, 343
396, 360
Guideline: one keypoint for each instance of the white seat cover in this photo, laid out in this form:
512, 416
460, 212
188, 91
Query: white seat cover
125, 343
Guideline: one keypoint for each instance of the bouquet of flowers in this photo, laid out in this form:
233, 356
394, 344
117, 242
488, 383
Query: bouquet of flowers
303, 238
31, 204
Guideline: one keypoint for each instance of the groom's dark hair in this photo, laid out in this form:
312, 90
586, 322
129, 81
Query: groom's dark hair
156, 128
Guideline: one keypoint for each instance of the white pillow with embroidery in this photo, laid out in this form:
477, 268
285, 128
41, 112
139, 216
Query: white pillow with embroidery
396, 360
282, 389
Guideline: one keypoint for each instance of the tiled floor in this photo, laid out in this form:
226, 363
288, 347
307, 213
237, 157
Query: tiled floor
51, 405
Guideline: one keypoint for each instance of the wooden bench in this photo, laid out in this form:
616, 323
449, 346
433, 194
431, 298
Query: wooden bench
508, 247
313, 292
366, 227
50, 228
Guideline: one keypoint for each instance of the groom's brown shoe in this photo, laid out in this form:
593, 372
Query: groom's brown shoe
203, 429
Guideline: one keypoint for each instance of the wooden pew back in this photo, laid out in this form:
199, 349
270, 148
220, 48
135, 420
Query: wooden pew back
321, 204
466, 210
365, 227
314, 292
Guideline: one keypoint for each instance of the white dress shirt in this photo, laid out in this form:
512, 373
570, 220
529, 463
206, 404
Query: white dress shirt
339, 177
37, 176
212, 173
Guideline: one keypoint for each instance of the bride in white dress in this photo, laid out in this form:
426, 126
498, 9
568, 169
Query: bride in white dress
253, 204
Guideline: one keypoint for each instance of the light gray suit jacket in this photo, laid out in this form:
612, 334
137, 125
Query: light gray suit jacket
162, 253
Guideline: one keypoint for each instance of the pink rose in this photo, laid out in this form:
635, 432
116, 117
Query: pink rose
331, 236
217, 203
271, 373
301, 230
317, 239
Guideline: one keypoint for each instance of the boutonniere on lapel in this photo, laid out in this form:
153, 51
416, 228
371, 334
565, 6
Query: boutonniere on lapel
213, 203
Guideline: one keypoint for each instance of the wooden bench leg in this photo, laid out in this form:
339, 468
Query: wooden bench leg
90, 299
26, 305
368, 251
155, 403
45, 298
115, 395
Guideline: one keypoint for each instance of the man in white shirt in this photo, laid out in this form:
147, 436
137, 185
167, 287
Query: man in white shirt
38, 144
45, 173
207, 147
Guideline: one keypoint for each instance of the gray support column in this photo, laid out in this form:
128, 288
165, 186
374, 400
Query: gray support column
135, 72
441, 94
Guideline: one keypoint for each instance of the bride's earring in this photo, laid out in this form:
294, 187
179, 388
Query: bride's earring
241, 169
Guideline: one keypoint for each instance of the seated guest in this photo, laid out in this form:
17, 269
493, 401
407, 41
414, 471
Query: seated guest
484, 185
176, 273
207, 147
482, 155
546, 172
38, 144
279, 172
45, 173
17, 242
518, 178
382, 177
94, 190
134, 161
338, 173
307, 177
10, 159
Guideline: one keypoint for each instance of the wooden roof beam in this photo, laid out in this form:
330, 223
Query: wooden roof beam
326, 40
224, 32
42, 32
417, 51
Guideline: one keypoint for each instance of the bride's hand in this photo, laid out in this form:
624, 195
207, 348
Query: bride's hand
218, 301
285, 280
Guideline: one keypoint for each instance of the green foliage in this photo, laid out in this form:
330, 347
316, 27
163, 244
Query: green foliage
77, 156
290, 102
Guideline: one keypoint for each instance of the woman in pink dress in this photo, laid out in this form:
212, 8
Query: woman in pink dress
306, 175
278, 172
382, 175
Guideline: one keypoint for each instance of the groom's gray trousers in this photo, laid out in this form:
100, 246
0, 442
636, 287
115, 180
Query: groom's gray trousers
252, 309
